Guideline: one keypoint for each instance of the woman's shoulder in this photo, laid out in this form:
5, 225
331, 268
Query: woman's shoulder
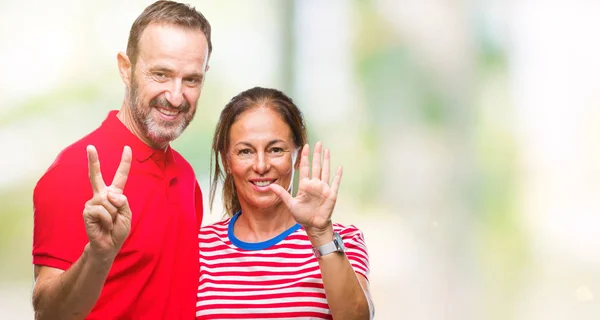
216, 227
346, 230
341, 227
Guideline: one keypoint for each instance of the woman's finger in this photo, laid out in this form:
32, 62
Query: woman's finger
336, 181
316, 161
325, 170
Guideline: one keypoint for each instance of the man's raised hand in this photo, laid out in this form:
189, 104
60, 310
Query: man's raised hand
107, 216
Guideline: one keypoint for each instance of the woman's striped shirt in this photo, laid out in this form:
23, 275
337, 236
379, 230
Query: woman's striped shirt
275, 279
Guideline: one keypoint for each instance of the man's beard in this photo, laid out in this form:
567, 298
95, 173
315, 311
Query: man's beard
158, 131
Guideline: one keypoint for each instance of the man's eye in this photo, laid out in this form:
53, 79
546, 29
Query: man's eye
160, 75
192, 81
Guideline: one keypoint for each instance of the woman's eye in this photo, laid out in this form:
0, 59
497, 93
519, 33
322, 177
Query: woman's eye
277, 150
244, 151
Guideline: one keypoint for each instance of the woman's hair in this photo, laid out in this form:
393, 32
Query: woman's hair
249, 99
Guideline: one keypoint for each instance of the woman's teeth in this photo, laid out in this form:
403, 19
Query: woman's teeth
262, 183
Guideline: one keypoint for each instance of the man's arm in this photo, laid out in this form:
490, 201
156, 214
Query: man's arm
72, 294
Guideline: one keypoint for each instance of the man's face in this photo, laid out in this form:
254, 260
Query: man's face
166, 81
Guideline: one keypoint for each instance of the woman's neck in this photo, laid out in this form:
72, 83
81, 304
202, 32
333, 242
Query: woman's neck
258, 225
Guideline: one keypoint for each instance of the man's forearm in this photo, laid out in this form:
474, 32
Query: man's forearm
73, 293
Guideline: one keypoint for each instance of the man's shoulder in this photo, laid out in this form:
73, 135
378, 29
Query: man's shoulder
75, 154
69, 166
73, 158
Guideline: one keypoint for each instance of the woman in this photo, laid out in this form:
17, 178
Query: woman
277, 256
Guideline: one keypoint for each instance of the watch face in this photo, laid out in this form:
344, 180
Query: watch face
338, 240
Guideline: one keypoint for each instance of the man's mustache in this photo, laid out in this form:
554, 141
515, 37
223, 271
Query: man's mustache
161, 101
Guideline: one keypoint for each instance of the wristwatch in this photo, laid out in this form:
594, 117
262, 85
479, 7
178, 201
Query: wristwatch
334, 246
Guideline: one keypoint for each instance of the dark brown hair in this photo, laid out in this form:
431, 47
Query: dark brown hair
170, 13
249, 99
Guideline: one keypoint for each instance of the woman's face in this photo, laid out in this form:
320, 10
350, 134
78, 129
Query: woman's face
260, 153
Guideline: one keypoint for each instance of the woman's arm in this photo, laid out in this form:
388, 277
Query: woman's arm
347, 296
347, 292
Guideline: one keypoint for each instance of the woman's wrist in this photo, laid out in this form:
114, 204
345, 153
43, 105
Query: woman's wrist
319, 236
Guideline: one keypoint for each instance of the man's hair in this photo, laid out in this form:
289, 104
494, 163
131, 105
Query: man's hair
169, 13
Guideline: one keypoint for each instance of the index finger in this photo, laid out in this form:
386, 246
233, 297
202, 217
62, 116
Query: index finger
304, 164
123, 170
94, 172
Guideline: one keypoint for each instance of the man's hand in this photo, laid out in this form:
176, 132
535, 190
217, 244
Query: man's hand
107, 216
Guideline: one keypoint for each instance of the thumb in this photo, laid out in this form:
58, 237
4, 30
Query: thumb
283, 194
120, 201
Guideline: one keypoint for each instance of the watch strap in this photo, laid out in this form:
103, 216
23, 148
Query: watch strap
330, 247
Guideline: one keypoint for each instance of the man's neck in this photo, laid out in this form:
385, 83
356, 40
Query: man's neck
125, 116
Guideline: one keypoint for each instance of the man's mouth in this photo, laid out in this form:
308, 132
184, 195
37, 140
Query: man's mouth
168, 112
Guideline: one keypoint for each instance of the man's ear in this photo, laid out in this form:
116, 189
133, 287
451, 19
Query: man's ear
124, 68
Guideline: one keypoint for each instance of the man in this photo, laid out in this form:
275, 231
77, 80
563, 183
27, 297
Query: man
108, 263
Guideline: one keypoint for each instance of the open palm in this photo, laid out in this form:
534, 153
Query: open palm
313, 205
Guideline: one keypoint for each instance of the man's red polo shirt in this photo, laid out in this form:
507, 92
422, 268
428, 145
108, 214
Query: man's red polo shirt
155, 275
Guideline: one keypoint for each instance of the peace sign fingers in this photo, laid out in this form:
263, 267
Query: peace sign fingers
95, 174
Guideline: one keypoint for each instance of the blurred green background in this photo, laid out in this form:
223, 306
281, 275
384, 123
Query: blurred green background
468, 132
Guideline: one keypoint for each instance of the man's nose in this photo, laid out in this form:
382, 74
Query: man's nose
175, 94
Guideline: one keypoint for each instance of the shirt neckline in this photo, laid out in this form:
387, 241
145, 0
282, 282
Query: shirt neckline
253, 246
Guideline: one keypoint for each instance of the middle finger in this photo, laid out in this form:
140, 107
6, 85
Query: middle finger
316, 162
